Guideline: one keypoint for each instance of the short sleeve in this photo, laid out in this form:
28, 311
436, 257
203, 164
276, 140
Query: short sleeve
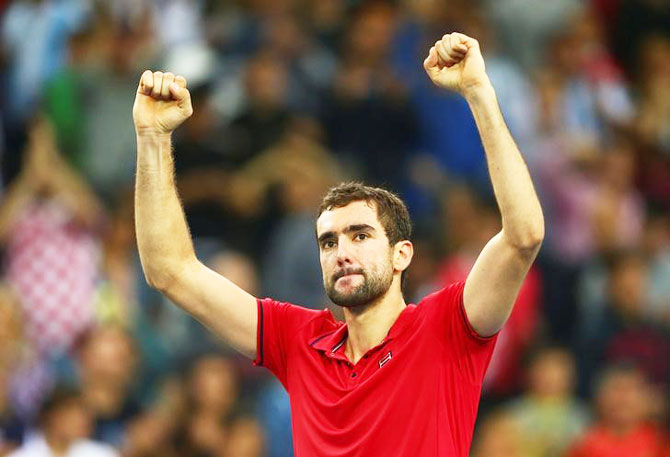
446, 317
278, 331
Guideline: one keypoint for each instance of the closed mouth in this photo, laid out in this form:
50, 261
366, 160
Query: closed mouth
342, 274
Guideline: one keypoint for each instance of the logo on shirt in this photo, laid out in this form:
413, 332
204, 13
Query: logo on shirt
385, 359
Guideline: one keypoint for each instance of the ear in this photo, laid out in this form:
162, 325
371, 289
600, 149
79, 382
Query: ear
403, 251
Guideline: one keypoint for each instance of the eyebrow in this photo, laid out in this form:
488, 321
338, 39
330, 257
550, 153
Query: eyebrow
350, 229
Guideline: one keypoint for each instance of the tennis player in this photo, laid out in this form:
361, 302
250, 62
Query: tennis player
393, 379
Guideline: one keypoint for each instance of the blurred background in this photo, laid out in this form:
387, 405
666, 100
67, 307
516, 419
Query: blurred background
290, 97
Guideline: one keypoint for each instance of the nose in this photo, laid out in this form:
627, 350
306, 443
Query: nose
343, 254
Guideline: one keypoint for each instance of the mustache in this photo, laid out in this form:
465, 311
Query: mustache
348, 271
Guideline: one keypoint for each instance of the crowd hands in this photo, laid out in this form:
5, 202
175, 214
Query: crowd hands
289, 98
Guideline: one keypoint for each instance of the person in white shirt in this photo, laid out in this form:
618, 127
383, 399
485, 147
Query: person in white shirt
64, 427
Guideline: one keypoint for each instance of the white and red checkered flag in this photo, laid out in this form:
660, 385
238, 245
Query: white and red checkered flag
53, 266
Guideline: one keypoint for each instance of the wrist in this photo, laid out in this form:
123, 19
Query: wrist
151, 133
479, 92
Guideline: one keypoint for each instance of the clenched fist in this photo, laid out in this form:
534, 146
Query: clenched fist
162, 102
456, 63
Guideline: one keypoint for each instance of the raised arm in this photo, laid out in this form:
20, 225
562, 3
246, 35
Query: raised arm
170, 265
456, 63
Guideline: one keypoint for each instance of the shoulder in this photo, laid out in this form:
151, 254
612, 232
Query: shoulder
450, 294
445, 303
289, 310
88, 448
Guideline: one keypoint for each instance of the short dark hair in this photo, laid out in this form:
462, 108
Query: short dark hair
61, 395
391, 211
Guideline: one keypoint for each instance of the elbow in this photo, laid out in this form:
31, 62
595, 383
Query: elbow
162, 272
158, 280
528, 240
163, 277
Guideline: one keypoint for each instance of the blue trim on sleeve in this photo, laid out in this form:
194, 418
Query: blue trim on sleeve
260, 332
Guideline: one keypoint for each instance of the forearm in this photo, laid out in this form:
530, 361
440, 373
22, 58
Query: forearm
71, 190
522, 219
163, 238
18, 197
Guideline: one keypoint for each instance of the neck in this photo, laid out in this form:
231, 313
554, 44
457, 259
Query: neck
57, 444
368, 325
621, 428
103, 400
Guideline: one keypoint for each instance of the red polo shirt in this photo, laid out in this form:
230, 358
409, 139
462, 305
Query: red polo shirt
415, 394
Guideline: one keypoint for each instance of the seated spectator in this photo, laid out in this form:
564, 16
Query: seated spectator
11, 428
152, 432
367, 115
212, 396
623, 333
651, 125
107, 360
548, 415
48, 223
623, 428
498, 436
64, 427
245, 439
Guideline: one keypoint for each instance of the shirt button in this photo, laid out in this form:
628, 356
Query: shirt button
366, 356
353, 375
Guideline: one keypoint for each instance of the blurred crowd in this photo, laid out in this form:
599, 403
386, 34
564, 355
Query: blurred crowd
291, 97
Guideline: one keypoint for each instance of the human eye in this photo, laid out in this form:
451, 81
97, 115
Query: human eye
361, 236
328, 244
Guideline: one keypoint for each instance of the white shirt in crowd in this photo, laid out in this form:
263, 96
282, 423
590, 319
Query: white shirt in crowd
36, 446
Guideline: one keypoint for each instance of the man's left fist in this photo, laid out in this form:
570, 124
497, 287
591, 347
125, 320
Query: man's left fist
456, 63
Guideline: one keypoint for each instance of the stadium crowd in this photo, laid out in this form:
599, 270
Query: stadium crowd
291, 97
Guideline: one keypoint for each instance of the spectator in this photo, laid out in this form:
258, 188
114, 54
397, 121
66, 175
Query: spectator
64, 427
369, 123
48, 223
11, 427
623, 333
33, 61
623, 428
212, 394
498, 436
548, 416
107, 361
650, 128
245, 439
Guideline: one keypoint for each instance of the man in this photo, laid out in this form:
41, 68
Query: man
64, 427
394, 380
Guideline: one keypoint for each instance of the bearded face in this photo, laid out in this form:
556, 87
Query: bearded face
353, 287
356, 257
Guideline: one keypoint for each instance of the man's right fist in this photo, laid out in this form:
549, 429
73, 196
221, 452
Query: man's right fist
162, 102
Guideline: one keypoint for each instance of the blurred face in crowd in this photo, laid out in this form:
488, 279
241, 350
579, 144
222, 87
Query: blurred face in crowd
266, 81
108, 357
69, 421
618, 167
213, 384
238, 268
245, 439
498, 437
371, 32
552, 374
623, 399
356, 257
628, 284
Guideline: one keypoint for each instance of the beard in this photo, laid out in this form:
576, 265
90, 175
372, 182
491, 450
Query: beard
375, 285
